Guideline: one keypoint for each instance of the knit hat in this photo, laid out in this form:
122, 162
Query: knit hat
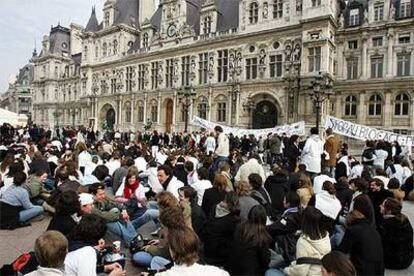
85, 199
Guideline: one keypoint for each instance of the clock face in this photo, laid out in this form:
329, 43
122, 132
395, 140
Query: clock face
172, 30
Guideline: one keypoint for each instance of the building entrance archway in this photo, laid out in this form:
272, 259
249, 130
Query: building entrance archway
108, 114
265, 115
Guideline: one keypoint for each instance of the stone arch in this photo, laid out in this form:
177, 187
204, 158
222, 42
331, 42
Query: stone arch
267, 110
107, 113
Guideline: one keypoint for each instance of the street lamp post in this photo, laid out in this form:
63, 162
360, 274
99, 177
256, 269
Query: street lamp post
321, 91
186, 95
292, 77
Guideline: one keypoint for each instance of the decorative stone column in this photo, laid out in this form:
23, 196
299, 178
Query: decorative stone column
390, 54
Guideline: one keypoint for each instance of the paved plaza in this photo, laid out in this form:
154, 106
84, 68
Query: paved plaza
15, 242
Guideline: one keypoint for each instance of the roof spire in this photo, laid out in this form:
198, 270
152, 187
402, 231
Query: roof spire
34, 54
93, 24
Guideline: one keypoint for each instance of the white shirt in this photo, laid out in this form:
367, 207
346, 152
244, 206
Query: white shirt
84, 158
192, 177
153, 181
141, 164
193, 270
399, 173
200, 186
251, 166
161, 158
210, 144
112, 165
174, 185
319, 180
81, 262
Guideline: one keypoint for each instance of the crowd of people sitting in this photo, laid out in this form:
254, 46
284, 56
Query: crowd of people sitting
215, 206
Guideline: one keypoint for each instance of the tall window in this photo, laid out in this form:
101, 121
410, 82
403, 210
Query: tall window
253, 13
115, 46
221, 111
154, 75
353, 17
202, 108
104, 49
207, 25
298, 5
127, 112
203, 68
277, 8
128, 79
141, 77
352, 68
140, 112
377, 66
185, 70
154, 112
402, 103
106, 19
113, 86
405, 8
222, 66
379, 12
104, 88
375, 105
314, 59
145, 41
350, 106
96, 52
85, 53
251, 68
377, 41
403, 64
316, 3
169, 73
275, 66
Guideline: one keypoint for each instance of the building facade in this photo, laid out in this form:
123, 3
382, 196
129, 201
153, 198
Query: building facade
18, 97
248, 63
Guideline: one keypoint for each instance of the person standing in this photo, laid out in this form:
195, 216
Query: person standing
332, 147
223, 148
312, 152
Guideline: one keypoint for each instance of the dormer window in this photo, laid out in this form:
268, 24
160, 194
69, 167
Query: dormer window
316, 3
404, 38
405, 8
253, 13
353, 17
145, 41
379, 12
207, 25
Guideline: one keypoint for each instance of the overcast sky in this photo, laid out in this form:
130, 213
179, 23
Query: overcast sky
24, 21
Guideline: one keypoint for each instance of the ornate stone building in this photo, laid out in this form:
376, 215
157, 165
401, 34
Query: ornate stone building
18, 97
248, 63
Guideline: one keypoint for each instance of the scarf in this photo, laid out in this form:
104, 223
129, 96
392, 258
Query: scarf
129, 190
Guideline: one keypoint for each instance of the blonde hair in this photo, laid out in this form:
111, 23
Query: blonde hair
51, 249
244, 188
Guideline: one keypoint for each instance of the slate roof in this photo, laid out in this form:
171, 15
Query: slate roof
127, 12
77, 58
228, 17
93, 25
25, 73
59, 38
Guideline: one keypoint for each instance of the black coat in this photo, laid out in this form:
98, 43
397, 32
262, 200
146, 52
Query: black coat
198, 218
344, 194
277, 186
62, 223
211, 198
247, 260
363, 243
377, 198
180, 173
397, 241
217, 237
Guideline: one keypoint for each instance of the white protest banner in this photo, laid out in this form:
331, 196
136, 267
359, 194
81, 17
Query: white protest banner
296, 128
364, 133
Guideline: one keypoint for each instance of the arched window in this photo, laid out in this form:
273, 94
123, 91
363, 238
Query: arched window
104, 49
402, 104
140, 112
375, 105
154, 111
253, 13
85, 53
115, 46
350, 106
221, 109
202, 108
127, 107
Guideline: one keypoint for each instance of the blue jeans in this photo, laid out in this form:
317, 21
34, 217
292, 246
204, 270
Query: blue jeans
215, 166
28, 214
148, 215
159, 263
142, 258
125, 230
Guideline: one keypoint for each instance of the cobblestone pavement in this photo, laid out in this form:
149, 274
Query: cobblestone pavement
13, 243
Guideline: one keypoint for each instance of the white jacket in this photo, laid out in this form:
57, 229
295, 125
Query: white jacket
311, 154
210, 144
223, 145
306, 247
174, 185
153, 181
193, 270
46, 271
251, 166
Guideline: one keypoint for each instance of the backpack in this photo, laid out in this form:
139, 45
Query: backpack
24, 264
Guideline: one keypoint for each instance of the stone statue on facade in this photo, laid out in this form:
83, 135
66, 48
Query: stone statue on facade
265, 10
